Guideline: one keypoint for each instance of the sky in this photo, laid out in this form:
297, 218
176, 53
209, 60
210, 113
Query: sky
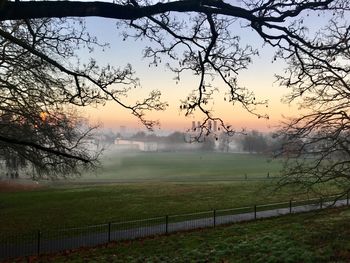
259, 78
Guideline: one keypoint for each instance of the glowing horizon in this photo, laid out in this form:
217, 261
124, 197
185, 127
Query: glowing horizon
259, 77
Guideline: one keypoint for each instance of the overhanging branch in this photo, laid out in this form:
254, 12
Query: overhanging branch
43, 148
41, 9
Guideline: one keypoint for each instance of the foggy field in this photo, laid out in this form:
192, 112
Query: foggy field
139, 185
184, 167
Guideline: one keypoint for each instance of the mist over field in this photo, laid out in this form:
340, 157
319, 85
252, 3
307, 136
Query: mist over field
146, 157
120, 165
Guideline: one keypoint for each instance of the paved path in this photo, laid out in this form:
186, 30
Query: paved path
100, 234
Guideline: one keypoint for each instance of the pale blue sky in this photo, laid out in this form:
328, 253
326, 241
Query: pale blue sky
259, 77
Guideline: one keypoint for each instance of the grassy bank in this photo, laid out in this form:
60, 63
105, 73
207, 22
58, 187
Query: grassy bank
310, 237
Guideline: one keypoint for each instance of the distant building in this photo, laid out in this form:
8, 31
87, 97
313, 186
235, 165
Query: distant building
126, 144
212, 126
136, 145
149, 147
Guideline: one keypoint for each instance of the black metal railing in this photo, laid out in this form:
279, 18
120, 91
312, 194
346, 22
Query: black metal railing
41, 242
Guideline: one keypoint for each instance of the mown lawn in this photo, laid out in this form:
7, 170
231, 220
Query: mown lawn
309, 237
163, 184
74, 206
63, 207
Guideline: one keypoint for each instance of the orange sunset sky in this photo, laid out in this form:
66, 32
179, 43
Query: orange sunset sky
259, 77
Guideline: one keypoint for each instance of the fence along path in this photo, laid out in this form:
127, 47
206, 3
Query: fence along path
66, 239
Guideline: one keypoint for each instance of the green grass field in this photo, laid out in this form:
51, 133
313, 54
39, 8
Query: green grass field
149, 185
309, 237
185, 167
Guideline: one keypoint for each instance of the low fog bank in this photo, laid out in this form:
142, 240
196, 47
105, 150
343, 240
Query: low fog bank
117, 146
253, 142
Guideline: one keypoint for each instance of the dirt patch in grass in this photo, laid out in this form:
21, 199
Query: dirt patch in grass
19, 186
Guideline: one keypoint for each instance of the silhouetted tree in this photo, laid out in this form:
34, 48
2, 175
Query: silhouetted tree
208, 144
41, 81
318, 77
224, 142
254, 142
204, 41
175, 138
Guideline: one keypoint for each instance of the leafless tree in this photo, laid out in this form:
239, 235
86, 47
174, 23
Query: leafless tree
41, 80
318, 140
205, 38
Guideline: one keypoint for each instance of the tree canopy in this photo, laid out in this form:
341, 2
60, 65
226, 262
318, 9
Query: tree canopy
201, 40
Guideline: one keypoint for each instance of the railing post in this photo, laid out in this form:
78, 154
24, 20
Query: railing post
38, 237
166, 224
254, 211
347, 198
214, 217
321, 202
109, 232
290, 206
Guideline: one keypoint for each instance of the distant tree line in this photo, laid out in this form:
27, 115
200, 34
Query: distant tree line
251, 142
254, 142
